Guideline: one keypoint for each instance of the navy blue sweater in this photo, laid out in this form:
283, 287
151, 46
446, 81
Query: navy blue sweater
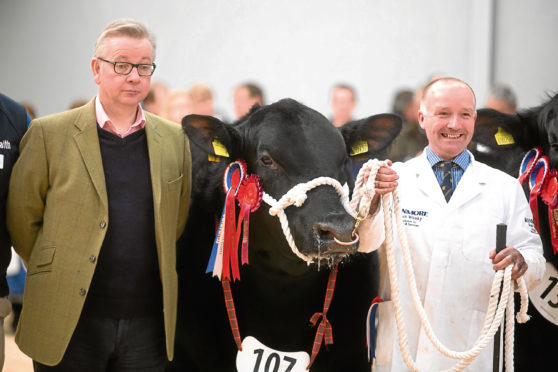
126, 282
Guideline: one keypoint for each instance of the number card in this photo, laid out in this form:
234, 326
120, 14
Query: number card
256, 357
545, 295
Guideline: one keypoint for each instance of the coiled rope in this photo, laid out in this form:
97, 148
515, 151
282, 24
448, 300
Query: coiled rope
495, 311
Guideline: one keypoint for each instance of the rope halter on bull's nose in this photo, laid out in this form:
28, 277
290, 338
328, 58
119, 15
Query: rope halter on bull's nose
297, 196
495, 312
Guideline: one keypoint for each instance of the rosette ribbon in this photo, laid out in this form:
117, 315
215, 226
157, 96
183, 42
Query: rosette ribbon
543, 182
249, 198
224, 256
528, 163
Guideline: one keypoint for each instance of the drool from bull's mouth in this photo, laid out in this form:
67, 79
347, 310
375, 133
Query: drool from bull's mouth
330, 254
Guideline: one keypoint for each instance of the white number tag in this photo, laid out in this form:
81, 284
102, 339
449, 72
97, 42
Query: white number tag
256, 357
545, 295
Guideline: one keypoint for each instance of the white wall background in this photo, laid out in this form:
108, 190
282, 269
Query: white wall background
292, 48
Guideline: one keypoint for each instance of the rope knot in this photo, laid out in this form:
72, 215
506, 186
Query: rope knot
296, 195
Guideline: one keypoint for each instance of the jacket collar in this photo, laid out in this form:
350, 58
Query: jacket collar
87, 140
469, 187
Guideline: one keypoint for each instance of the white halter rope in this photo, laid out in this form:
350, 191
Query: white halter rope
495, 311
297, 196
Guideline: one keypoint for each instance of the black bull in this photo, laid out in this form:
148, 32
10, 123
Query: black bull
536, 341
285, 143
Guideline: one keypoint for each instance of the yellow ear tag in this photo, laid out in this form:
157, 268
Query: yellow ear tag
213, 158
503, 138
360, 147
220, 149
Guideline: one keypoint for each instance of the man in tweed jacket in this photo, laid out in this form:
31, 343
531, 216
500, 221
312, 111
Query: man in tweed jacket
98, 198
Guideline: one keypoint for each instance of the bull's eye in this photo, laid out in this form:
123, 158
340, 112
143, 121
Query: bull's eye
266, 161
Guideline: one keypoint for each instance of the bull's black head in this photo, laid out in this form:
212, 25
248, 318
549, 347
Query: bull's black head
286, 144
529, 128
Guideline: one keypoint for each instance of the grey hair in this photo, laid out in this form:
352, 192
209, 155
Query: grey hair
125, 27
504, 93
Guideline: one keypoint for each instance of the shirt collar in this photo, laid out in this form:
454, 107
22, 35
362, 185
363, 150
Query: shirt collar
103, 119
463, 159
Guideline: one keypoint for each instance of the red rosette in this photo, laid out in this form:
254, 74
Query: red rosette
249, 198
250, 192
550, 189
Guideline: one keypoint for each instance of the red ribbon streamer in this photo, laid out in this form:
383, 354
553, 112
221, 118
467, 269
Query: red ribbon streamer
231, 312
324, 330
545, 185
245, 232
230, 251
243, 216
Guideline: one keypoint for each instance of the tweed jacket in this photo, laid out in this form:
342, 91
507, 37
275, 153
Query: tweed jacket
57, 216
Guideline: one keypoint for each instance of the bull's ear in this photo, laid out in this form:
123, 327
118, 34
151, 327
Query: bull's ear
212, 136
371, 137
498, 130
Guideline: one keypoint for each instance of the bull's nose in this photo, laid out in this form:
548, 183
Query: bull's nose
338, 227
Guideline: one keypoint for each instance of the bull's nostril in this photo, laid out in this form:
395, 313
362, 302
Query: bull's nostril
325, 234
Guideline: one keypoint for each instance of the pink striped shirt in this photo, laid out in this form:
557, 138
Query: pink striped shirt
105, 123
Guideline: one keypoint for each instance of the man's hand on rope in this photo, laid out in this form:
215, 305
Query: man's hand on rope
386, 182
507, 256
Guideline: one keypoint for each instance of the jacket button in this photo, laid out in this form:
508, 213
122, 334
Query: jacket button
103, 224
82, 292
92, 258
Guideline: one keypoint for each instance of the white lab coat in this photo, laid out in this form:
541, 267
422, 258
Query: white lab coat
450, 243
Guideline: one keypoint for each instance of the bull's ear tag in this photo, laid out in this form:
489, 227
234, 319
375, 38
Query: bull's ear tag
219, 148
503, 138
359, 147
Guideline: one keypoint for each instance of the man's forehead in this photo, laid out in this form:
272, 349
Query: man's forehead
462, 106
444, 93
122, 45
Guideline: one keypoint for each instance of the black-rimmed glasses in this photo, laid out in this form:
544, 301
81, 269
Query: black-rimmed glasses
124, 68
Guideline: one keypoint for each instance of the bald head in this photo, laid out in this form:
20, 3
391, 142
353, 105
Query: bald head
446, 81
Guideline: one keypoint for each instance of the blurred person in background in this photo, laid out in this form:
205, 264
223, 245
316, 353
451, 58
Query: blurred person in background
503, 99
155, 100
245, 96
412, 139
201, 100
343, 102
177, 105
77, 103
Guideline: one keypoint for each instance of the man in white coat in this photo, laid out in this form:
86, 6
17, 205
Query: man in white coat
451, 235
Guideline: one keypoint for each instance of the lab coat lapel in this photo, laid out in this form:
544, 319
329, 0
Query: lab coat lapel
470, 185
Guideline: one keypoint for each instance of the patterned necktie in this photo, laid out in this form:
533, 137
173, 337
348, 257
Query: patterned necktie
447, 183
